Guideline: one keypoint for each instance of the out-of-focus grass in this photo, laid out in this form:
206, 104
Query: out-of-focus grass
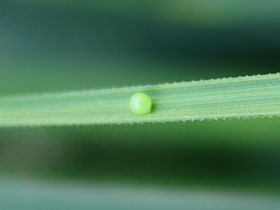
196, 12
226, 154
23, 195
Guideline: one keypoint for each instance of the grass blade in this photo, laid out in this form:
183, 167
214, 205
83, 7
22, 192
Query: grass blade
242, 97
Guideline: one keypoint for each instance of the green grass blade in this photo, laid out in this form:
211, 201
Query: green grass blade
242, 97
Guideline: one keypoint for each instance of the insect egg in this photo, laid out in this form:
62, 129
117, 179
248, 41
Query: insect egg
140, 104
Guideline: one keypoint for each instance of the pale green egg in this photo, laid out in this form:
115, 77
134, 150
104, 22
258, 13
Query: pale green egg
140, 104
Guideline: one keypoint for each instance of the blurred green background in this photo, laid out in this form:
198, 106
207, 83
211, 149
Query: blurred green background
64, 45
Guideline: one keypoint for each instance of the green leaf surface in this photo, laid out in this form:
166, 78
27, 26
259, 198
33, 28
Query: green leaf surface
242, 97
